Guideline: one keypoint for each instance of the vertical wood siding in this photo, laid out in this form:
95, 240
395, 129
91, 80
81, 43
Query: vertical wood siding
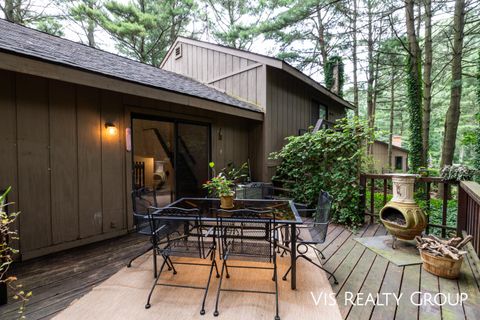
289, 109
206, 65
70, 180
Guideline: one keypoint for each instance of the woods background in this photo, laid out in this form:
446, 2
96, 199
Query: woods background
411, 67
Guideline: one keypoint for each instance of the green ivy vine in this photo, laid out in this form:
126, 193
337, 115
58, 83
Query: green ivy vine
329, 67
327, 160
414, 94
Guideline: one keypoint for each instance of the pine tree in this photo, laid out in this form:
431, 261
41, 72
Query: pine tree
144, 29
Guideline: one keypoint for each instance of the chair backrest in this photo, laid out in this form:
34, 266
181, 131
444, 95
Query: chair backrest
246, 233
143, 200
321, 217
172, 221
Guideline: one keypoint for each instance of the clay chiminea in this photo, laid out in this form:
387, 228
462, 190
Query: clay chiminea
402, 216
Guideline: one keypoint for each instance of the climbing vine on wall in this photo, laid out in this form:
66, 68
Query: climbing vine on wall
329, 73
414, 91
327, 160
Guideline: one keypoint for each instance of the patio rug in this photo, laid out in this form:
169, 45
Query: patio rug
123, 296
405, 254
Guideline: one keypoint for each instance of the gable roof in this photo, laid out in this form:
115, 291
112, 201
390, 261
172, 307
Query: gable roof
264, 59
31, 43
393, 146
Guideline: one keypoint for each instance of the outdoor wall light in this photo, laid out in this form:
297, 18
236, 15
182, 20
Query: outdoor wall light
111, 129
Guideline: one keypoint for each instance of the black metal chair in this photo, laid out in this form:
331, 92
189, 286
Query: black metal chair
144, 201
248, 235
318, 231
192, 242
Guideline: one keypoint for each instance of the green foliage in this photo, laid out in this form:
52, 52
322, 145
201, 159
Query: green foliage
329, 76
327, 160
414, 92
236, 175
7, 234
50, 25
144, 29
476, 162
219, 185
457, 173
234, 22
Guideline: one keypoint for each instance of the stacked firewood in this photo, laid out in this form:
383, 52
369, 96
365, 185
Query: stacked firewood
443, 248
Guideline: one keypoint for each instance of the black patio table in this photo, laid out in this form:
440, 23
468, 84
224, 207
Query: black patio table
285, 214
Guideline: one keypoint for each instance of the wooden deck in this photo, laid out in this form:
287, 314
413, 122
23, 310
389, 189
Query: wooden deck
59, 279
360, 270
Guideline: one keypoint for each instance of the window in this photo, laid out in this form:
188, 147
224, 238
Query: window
398, 163
318, 111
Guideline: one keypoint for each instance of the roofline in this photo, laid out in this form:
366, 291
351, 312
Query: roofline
26, 64
270, 61
393, 146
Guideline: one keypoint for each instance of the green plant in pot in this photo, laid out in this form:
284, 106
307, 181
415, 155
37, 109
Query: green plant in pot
221, 187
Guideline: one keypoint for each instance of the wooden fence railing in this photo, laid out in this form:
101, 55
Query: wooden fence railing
368, 182
469, 212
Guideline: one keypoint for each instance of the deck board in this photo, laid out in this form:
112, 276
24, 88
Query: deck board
58, 279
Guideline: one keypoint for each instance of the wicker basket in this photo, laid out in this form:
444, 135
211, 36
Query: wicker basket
441, 266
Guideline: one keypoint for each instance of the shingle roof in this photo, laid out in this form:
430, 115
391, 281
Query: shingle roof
32, 43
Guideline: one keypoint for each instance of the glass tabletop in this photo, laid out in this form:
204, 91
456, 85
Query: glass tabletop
284, 210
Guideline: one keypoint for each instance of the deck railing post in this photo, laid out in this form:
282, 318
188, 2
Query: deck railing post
446, 188
461, 210
363, 195
372, 199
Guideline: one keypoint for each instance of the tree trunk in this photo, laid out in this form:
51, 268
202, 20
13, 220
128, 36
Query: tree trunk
321, 40
453, 113
370, 75
91, 28
427, 81
414, 86
392, 108
354, 58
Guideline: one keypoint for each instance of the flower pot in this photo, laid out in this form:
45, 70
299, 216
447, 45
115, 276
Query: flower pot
226, 202
444, 267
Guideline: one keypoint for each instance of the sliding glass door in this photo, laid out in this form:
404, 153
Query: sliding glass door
171, 156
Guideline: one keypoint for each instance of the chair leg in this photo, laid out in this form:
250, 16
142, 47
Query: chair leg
138, 256
277, 317
147, 305
216, 313
319, 266
170, 265
214, 263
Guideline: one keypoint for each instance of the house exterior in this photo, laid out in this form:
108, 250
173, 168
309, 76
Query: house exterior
290, 100
80, 127
380, 157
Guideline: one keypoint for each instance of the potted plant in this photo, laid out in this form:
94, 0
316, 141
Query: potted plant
221, 187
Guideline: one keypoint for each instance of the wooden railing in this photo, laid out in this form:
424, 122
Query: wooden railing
469, 212
427, 184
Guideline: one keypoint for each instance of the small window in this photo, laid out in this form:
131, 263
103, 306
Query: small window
318, 111
399, 163
178, 51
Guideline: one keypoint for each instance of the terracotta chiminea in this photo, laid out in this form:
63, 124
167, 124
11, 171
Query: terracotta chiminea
401, 216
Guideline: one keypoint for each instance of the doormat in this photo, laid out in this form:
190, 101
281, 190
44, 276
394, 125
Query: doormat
405, 253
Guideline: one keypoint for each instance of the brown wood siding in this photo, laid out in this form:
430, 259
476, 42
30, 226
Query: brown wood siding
70, 180
63, 160
288, 110
206, 65
380, 157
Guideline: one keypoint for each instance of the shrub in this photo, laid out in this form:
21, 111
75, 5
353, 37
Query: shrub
457, 173
328, 160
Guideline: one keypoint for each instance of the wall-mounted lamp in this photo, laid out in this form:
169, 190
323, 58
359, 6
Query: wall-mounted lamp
111, 129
